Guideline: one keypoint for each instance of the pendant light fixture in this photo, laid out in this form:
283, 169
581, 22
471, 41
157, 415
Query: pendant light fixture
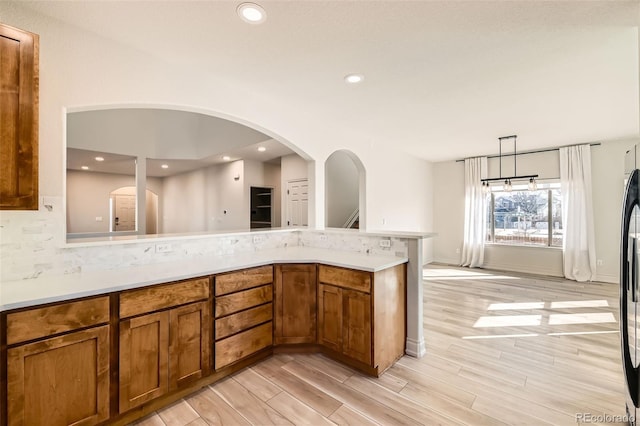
507, 179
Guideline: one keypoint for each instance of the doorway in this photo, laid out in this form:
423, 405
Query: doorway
297, 202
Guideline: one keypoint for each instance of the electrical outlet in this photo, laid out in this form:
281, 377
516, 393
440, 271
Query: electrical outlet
385, 243
457, 251
258, 239
599, 262
323, 237
164, 248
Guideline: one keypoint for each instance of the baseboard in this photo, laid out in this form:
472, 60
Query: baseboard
606, 278
453, 261
524, 269
414, 348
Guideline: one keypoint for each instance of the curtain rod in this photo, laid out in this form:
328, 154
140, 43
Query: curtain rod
531, 152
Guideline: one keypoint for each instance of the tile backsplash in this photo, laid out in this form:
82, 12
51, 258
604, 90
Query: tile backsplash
32, 244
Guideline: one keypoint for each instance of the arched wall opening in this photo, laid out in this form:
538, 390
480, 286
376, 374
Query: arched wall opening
345, 191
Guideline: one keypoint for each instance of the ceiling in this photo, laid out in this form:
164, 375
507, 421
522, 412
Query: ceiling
442, 79
181, 140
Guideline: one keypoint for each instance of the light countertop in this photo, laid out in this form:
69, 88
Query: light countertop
47, 289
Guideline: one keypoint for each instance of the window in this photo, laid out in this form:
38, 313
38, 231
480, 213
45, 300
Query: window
523, 217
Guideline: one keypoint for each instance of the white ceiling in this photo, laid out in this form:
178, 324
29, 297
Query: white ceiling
443, 79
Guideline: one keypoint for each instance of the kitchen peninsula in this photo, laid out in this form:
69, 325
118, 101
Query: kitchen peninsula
205, 315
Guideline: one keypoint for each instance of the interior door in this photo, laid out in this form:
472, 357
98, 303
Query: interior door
124, 214
297, 202
629, 289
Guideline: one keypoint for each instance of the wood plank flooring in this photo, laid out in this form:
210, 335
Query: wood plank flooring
542, 351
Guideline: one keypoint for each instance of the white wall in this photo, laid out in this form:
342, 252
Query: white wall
207, 199
341, 189
88, 198
607, 162
81, 71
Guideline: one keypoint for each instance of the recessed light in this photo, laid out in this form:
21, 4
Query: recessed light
165, 166
252, 13
262, 149
99, 158
85, 167
226, 158
353, 78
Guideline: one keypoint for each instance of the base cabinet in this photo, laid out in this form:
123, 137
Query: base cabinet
361, 315
164, 350
59, 380
144, 359
114, 358
243, 314
345, 322
295, 304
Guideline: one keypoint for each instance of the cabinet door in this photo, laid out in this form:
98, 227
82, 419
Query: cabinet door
330, 317
18, 119
356, 325
189, 343
60, 381
295, 304
144, 356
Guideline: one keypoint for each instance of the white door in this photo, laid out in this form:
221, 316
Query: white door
124, 212
297, 202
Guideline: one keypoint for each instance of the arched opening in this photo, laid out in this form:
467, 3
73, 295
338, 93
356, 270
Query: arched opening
345, 191
199, 165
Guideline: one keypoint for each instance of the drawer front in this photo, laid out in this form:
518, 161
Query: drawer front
42, 322
347, 278
242, 320
241, 345
235, 302
154, 298
241, 280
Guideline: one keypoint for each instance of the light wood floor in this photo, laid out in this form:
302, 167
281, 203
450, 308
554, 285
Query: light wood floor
470, 375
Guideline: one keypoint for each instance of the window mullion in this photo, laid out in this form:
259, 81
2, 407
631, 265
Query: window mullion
549, 219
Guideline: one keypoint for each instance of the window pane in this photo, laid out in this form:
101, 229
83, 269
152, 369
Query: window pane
556, 218
521, 217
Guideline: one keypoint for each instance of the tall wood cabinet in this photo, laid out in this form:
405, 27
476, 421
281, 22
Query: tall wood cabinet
164, 339
19, 81
295, 304
58, 364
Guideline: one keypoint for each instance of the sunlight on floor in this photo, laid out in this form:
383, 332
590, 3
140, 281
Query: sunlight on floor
514, 306
456, 274
586, 318
572, 333
579, 304
498, 336
508, 321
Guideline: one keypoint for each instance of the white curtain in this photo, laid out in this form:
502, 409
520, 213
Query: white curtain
579, 249
475, 212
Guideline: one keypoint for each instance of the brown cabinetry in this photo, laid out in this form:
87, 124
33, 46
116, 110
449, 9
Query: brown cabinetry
295, 304
18, 119
243, 314
165, 346
361, 315
58, 364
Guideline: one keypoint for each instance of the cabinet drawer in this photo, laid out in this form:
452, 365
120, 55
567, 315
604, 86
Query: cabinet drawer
42, 322
154, 298
242, 320
243, 344
235, 302
347, 278
241, 280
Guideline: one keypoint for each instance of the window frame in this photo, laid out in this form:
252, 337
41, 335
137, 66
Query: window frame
550, 187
